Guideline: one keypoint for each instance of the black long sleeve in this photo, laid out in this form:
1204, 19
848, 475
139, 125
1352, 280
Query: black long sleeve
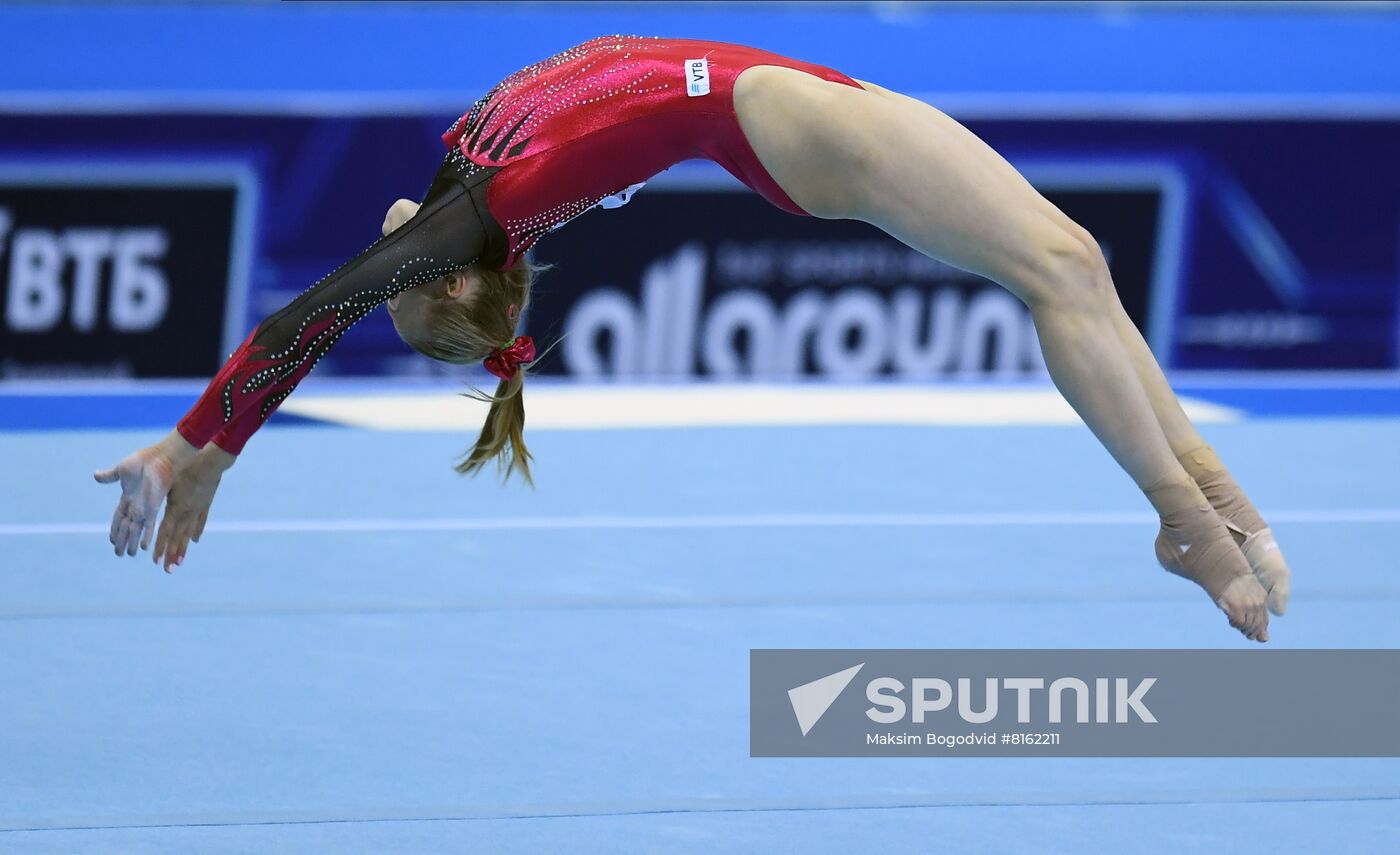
451, 230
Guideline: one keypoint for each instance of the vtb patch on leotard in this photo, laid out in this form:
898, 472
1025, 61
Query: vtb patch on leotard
697, 77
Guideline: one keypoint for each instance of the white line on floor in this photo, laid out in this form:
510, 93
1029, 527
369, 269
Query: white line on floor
1089, 518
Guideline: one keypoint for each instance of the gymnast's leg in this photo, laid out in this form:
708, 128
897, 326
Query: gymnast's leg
1246, 526
846, 153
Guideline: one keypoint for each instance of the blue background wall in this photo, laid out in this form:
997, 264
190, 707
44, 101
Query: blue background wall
412, 57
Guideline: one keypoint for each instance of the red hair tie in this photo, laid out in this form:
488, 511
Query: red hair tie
506, 360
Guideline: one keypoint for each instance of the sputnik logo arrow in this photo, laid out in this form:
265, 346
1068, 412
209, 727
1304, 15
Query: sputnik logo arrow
810, 701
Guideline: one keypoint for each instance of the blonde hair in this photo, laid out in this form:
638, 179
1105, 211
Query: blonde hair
467, 332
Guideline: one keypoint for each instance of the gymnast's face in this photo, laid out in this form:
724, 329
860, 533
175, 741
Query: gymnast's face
414, 310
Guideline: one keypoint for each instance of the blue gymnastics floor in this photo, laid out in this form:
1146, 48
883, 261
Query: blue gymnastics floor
369, 654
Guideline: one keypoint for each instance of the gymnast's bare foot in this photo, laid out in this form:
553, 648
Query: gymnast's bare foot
1246, 526
1194, 543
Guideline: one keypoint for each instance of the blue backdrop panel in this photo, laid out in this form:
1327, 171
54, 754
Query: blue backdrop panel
1277, 246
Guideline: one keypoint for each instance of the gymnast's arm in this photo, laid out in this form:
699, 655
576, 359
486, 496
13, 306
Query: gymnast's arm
450, 231
192, 491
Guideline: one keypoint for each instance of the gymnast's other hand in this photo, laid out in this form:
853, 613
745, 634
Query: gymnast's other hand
399, 213
146, 477
187, 509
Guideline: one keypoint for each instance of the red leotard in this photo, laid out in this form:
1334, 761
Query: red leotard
604, 116
544, 145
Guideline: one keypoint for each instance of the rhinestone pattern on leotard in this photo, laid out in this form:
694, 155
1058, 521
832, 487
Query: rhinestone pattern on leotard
288, 345
517, 107
316, 334
500, 126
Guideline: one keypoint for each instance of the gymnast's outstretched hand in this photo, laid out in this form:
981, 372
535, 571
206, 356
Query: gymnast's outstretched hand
187, 509
146, 477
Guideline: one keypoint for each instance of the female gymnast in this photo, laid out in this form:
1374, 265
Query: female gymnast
596, 121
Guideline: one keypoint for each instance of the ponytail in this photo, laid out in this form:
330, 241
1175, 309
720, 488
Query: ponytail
485, 326
503, 435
